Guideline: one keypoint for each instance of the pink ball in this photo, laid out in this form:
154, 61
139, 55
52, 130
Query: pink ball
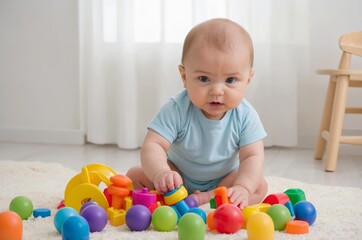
228, 218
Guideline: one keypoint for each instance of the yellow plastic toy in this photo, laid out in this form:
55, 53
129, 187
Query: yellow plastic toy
84, 186
260, 226
175, 196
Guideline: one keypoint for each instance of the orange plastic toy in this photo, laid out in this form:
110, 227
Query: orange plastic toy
11, 226
297, 227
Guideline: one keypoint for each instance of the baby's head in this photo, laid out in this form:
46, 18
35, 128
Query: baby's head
222, 34
216, 67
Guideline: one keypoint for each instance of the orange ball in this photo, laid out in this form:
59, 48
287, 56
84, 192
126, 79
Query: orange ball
11, 226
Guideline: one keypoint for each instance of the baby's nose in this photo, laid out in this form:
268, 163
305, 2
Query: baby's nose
217, 89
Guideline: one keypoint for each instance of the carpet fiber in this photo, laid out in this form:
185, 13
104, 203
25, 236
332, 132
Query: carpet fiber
339, 209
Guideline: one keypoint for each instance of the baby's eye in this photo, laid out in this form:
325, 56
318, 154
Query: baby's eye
203, 79
231, 80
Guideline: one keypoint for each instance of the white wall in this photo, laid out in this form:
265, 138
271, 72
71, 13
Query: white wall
40, 95
328, 19
39, 82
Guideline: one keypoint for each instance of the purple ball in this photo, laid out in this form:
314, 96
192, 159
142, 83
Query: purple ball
138, 218
96, 217
86, 205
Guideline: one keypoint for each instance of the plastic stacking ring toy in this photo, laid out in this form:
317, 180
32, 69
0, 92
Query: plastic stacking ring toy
175, 195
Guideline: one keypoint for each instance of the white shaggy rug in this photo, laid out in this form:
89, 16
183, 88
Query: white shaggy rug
339, 209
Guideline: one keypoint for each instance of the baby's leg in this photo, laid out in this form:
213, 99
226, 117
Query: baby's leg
202, 197
139, 178
256, 197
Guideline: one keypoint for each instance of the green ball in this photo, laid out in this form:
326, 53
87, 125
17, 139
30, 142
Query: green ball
191, 226
22, 206
280, 215
164, 219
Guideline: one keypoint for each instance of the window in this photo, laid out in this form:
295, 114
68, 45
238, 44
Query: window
160, 20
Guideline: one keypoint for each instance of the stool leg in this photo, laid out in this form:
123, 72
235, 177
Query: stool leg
326, 120
336, 122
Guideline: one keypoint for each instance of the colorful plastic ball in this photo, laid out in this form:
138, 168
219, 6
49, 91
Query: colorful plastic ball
164, 219
228, 218
191, 226
138, 218
96, 217
22, 206
191, 201
86, 205
75, 228
305, 211
210, 220
11, 226
200, 212
62, 215
280, 215
260, 226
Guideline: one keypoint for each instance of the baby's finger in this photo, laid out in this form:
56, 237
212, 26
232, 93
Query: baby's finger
177, 180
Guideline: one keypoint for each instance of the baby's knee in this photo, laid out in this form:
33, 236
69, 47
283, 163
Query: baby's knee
134, 172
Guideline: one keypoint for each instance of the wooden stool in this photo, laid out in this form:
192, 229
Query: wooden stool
335, 104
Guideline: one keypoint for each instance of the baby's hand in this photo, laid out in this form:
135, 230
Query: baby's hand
167, 180
239, 196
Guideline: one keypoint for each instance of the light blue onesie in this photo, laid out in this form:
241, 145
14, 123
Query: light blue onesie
205, 150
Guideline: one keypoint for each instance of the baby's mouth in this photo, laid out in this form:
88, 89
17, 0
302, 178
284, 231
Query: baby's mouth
216, 103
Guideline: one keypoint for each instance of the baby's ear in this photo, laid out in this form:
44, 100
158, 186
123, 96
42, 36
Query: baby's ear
251, 75
181, 69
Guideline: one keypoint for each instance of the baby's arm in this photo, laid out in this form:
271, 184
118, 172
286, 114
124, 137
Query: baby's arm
154, 163
249, 174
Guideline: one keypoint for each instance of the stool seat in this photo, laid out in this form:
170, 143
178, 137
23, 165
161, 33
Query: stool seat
335, 107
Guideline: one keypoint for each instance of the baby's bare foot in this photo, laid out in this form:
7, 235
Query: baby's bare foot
202, 197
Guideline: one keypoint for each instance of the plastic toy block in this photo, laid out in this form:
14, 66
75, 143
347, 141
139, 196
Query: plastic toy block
295, 195
277, 198
128, 202
159, 197
143, 197
182, 207
176, 211
116, 217
221, 196
118, 195
263, 207
41, 212
289, 205
212, 203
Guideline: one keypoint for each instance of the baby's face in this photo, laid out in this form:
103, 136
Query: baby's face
216, 80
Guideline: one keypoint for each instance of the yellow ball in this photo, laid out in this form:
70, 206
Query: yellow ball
260, 226
247, 212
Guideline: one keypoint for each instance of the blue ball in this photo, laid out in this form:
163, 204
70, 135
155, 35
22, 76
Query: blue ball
138, 218
75, 228
62, 215
199, 212
305, 211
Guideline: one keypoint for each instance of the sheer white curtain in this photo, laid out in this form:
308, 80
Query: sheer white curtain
130, 51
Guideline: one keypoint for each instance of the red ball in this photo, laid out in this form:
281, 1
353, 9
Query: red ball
228, 218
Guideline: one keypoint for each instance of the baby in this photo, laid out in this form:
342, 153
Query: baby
208, 135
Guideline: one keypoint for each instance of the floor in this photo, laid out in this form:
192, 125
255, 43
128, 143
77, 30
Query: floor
292, 163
